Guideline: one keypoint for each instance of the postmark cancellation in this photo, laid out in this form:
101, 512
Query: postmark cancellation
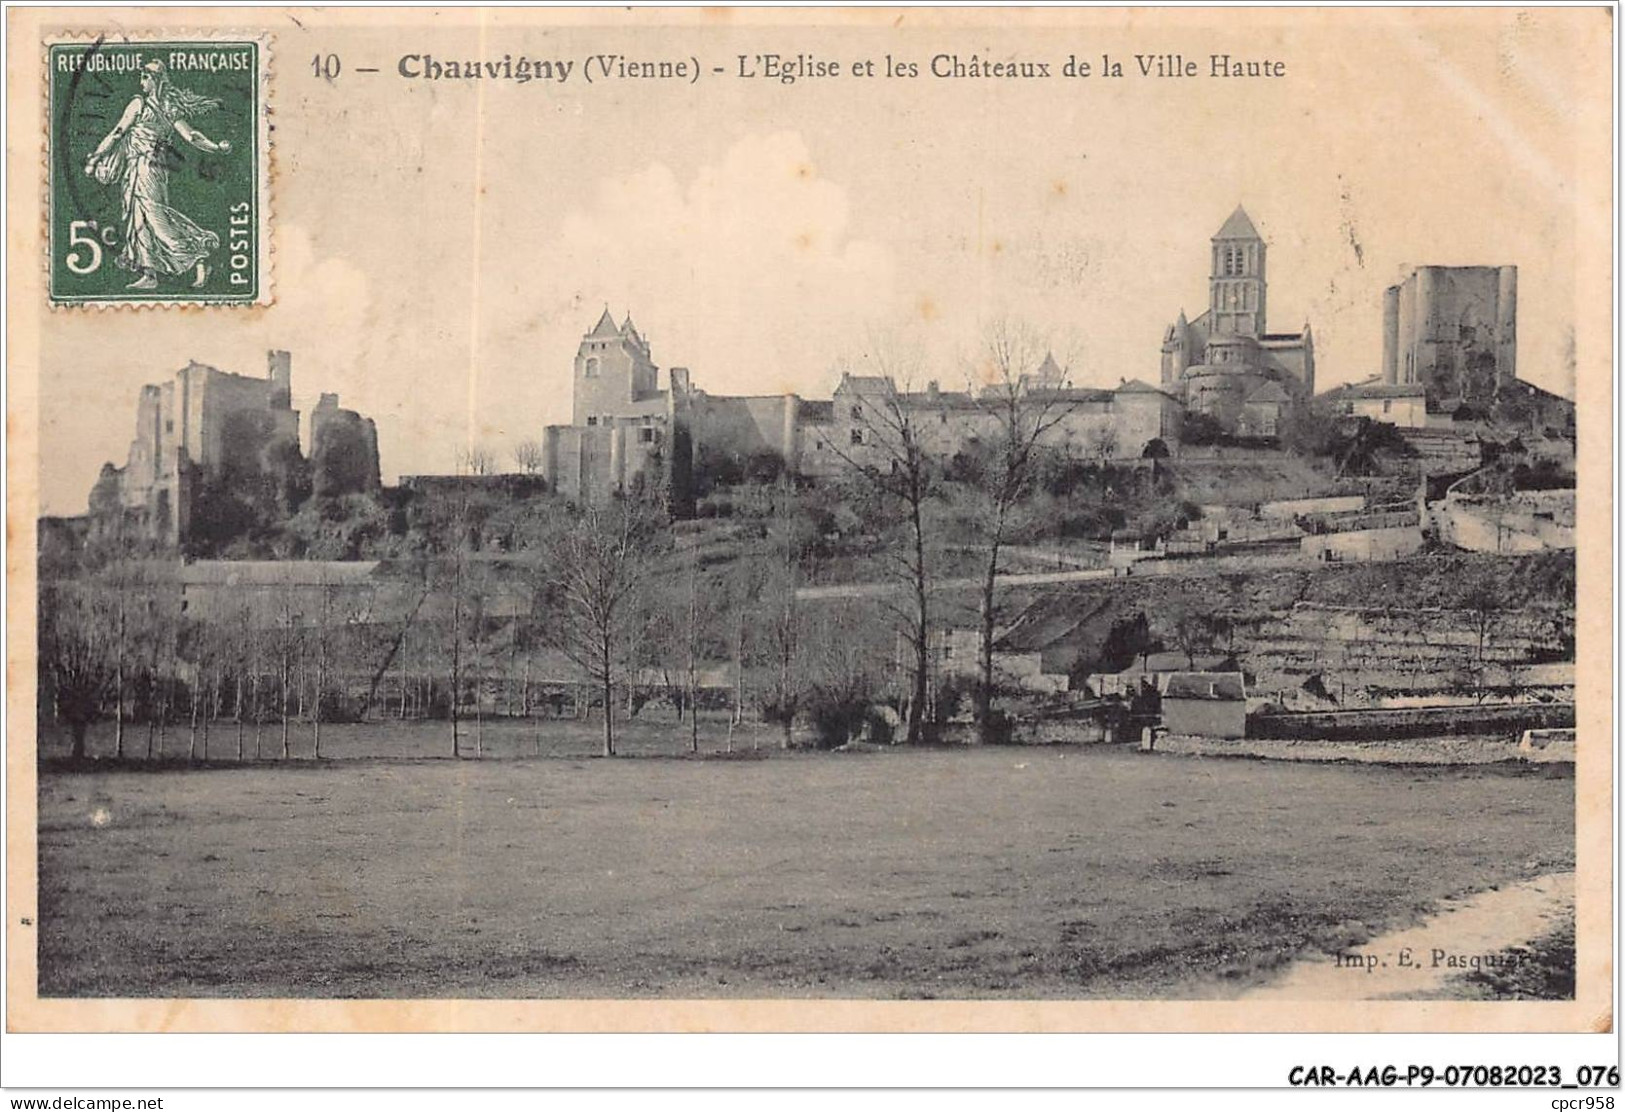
157, 176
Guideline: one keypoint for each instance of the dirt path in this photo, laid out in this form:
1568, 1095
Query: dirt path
1418, 960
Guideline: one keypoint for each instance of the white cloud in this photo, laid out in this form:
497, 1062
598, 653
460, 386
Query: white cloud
321, 314
746, 273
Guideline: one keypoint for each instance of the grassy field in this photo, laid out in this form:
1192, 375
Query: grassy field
654, 732
929, 873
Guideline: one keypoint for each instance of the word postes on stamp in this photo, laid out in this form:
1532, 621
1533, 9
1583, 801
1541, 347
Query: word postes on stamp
156, 172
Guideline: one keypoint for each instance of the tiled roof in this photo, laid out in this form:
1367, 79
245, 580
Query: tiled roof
867, 384
1171, 661
1267, 393
1388, 390
1219, 686
1136, 386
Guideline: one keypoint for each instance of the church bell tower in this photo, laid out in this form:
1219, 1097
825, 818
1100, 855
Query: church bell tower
1236, 283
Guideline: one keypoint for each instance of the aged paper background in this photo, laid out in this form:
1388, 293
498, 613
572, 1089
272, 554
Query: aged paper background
391, 275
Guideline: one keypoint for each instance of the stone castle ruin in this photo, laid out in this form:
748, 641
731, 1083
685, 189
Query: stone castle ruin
208, 429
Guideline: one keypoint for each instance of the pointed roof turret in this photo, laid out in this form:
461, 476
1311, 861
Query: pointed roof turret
627, 328
605, 325
1239, 226
1049, 372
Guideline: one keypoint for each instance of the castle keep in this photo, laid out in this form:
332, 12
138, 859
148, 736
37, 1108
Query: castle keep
1452, 330
1226, 363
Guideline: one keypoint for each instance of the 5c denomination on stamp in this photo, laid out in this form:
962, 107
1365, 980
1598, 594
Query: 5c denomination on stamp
157, 177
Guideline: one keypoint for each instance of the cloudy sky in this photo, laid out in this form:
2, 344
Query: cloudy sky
441, 247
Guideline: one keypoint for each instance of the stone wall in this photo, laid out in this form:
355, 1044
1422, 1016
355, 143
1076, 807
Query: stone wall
1361, 654
746, 426
1378, 723
1531, 521
1363, 544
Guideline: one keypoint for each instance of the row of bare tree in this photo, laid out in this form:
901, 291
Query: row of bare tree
606, 606
634, 605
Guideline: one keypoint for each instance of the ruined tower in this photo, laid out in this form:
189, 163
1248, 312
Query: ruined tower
1453, 330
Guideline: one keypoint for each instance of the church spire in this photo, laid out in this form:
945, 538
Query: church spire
1238, 226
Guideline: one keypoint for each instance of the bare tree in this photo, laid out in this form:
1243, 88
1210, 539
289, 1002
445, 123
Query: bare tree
477, 459
528, 456
452, 577
781, 630
888, 457
842, 666
133, 599
245, 651
1188, 627
395, 651
156, 638
1023, 406
202, 639
287, 638
76, 654
744, 589
1104, 442
1483, 604
121, 629
325, 600
458, 584
691, 651
594, 570
474, 601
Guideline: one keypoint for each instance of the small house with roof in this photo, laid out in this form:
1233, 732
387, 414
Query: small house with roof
1205, 704
1396, 403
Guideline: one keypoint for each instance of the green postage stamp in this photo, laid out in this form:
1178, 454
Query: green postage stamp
157, 183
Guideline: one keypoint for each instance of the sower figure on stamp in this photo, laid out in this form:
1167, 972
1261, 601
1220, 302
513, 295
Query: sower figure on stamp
157, 238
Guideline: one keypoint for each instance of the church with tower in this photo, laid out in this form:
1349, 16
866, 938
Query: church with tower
1226, 363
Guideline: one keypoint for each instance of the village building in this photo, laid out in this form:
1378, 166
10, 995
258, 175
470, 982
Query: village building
1205, 704
626, 428
1154, 671
1226, 364
1403, 404
959, 654
1450, 363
